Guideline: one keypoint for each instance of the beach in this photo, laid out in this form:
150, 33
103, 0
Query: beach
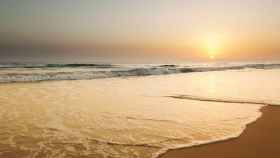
137, 117
260, 139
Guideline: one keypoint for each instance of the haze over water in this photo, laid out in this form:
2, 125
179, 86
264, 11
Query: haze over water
125, 31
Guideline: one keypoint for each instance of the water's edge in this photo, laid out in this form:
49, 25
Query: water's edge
228, 138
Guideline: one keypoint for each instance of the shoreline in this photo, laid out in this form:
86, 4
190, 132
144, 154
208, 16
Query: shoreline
260, 139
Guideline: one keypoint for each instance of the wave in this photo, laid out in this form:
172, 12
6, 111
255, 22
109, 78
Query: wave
50, 72
223, 100
55, 65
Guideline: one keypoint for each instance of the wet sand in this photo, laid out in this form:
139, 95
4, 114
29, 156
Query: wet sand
133, 118
261, 139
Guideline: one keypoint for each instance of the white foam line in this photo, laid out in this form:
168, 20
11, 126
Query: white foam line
199, 143
222, 100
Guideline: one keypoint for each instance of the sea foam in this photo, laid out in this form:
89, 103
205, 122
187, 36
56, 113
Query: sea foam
51, 72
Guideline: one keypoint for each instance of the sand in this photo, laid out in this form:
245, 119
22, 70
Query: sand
261, 139
113, 117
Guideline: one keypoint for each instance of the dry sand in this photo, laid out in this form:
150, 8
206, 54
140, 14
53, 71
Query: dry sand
261, 139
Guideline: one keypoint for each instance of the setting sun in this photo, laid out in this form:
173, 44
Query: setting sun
212, 45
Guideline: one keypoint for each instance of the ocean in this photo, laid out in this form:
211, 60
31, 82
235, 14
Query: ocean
16, 72
128, 111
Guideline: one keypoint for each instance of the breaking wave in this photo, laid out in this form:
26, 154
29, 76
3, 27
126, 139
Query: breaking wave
55, 65
51, 72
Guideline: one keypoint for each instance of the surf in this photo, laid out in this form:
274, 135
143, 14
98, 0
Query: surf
13, 73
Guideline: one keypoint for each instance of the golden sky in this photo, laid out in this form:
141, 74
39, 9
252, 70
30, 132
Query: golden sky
188, 30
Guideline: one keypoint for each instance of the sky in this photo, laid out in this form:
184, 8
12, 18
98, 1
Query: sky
139, 30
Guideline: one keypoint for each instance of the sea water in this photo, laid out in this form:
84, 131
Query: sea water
135, 117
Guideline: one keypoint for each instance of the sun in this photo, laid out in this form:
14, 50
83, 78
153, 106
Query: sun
212, 46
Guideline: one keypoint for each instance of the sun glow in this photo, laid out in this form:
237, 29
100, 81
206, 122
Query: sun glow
212, 46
